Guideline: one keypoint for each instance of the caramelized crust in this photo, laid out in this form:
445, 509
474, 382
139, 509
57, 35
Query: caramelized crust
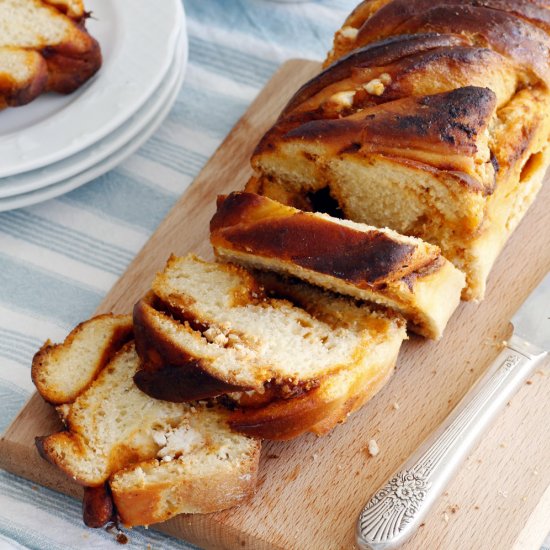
517, 29
70, 67
169, 372
446, 131
371, 258
97, 506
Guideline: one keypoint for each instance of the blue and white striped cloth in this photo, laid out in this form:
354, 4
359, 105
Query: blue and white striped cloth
58, 259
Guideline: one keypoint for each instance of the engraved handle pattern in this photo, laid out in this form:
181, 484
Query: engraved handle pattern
397, 508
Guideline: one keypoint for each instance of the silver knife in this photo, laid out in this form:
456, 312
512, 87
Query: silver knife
395, 511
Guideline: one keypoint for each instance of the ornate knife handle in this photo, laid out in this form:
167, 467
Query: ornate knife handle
396, 510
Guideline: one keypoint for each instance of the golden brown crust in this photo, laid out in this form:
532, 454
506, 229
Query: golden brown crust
69, 67
210, 493
394, 51
315, 411
121, 333
440, 130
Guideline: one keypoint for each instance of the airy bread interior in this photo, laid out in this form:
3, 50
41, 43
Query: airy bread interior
293, 357
62, 371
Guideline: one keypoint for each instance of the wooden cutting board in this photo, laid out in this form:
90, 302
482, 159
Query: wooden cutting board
311, 489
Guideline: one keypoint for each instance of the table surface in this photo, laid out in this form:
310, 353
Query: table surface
61, 257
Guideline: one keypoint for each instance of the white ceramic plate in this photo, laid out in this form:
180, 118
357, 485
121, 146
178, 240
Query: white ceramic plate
77, 163
138, 39
52, 191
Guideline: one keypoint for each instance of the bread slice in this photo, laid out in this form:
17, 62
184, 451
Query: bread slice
272, 415
159, 458
44, 47
211, 329
366, 263
61, 372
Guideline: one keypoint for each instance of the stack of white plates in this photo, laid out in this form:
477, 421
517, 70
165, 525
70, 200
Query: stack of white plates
58, 143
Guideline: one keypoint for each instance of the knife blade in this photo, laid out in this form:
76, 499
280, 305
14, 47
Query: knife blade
397, 508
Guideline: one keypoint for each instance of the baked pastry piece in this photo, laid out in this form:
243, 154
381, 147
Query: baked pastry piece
436, 126
366, 263
44, 47
295, 357
157, 459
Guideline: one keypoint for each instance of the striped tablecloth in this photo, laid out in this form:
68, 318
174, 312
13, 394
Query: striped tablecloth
58, 259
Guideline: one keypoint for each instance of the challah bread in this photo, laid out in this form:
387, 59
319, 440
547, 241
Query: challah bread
211, 329
366, 263
158, 458
44, 47
438, 130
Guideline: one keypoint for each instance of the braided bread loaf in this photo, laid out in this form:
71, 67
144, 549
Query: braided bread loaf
432, 120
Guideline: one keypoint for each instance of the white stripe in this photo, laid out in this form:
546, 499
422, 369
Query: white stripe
165, 177
13, 372
215, 82
41, 329
6, 544
51, 526
89, 223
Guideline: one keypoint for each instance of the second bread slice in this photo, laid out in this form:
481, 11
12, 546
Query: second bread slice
354, 259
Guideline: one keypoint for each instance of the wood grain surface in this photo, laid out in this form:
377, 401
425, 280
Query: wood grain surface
311, 489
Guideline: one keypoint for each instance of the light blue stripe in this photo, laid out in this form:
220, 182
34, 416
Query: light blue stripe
61, 242
29, 288
55, 230
172, 156
231, 63
12, 398
25, 537
212, 112
23, 340
9, 352
123, 197
70, 510
268, 21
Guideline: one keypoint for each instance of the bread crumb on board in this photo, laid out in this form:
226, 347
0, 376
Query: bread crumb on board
373, 447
